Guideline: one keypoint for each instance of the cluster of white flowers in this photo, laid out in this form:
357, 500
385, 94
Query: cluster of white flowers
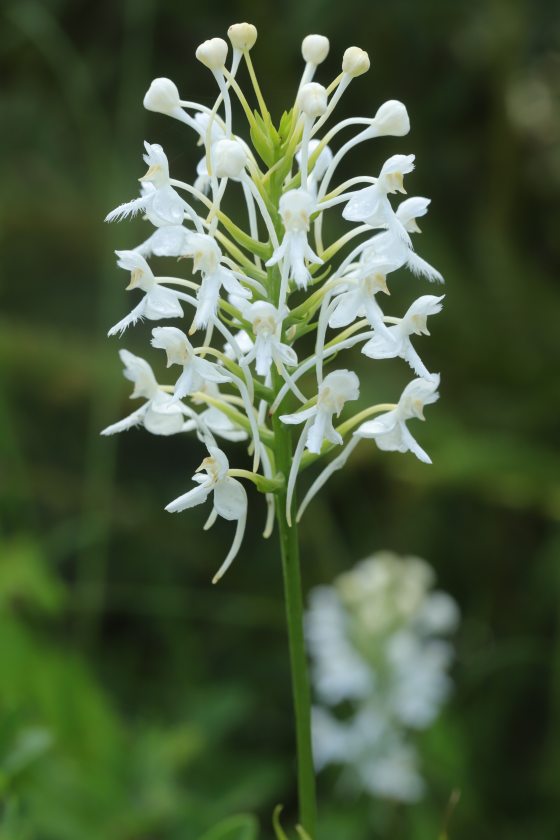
256, 288
374, 640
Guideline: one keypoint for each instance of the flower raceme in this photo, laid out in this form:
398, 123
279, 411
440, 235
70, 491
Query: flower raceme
265, 306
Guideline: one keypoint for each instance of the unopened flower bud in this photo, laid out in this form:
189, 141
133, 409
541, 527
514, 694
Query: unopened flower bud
315, 48
162, 97
213, 53
355, 61
392, 119
312, 99
242, 36
229, 158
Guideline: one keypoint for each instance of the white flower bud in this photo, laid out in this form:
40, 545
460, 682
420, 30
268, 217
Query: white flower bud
162, 97
355, 61
213, 53
315, 48
242, 36
229, 158
392, 119
312, 99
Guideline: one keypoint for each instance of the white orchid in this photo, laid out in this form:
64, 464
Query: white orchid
229, 499
158, 301
389, 430
160, 414
395, 249
196, 371
266, 325
337, 388
395, 341
372, 651
207, 256
255, 374
371, 205
162, 204
356, 295
295, 208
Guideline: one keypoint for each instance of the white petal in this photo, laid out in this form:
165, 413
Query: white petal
163, 422
194, 497
347, 309
414, 447
363, 203
188, 382
300, 416
380, 426
235, 546
162, 303
130, 208
166, 206
419, 266
133, 316
230, 498
134, 419
379, 347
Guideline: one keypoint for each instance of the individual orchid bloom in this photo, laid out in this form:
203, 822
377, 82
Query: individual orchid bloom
321, 165
394, 248
158, 301
395, 341
162, 205
357, 297
266, 324
229, 499
337, 388
296, 207
160, 414
371, 205
206, 256
196, 371
389, 430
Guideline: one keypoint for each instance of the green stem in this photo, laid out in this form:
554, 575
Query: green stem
289, 547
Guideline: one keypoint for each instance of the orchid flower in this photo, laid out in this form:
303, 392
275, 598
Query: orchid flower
389, 430
229, 499
158, 301
395, 341
160, 414
295, 208
207, 256
196, 371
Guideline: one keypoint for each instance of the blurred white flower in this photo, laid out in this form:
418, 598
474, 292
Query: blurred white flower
375, 646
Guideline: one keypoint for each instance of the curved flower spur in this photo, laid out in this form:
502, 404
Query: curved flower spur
257, 285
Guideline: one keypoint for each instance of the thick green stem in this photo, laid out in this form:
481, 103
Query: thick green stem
289, 546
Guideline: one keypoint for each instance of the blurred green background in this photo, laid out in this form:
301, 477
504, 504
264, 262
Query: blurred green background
138, 702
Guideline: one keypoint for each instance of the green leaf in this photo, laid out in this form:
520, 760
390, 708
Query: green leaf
262, 145
239, 827
285, 125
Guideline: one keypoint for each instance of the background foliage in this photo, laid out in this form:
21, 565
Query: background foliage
136, 701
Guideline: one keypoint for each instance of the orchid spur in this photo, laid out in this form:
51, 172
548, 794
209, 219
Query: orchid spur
262, 307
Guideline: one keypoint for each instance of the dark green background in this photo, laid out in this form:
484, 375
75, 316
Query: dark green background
137, 702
